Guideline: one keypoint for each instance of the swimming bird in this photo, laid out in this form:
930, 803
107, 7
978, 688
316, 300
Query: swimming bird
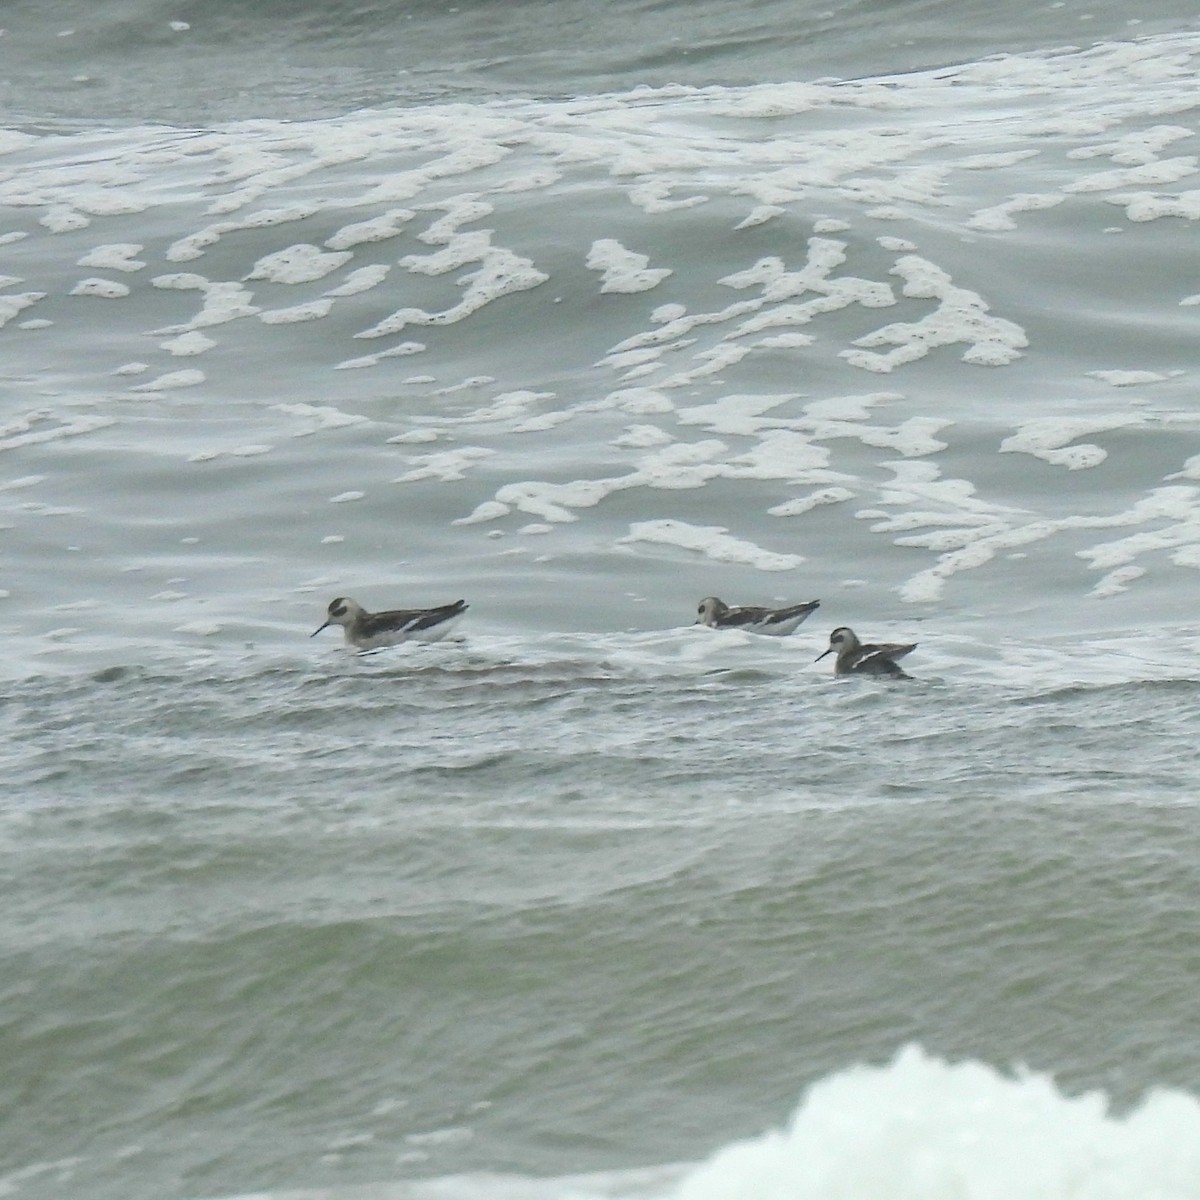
777, 622
855, 658
370, 631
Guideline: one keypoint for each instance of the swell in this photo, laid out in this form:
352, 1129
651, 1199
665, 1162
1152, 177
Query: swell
445, 986
131, 62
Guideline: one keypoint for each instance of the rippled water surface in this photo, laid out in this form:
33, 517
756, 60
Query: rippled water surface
583, 316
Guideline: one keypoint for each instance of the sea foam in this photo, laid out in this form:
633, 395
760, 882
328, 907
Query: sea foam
924, 1129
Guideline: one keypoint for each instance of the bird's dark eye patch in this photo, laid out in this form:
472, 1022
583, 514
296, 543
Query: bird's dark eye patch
337, 609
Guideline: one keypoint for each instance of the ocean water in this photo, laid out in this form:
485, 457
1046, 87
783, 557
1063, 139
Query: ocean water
582, 313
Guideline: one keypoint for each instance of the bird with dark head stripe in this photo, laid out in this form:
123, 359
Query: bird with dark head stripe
370, 631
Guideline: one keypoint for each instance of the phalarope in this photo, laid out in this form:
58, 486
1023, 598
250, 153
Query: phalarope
855, 658
776, 622
370, 631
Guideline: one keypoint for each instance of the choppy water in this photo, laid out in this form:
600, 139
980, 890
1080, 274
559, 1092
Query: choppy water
584, 316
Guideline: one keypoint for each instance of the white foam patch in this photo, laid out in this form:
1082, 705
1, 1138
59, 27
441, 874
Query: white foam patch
640, 437
623, 271
501, 273
172, 381
638, 401
471, 384
373, 360
817, 499
1129, 378
301, 263
314, 310
506, 407
40, 426
1156, 173
1190, 469
461, 249
999, 217
11, 305
1049, 438
377, 229
182, 281
1139, 146
1151, 206
361, 280
61, 219
781, 454
187, 344
1117, 581
654, 197
489, 510
1177, 507
997, 530
117, 256
554, 501
921, 1128
194, 245
896, 244
961, 316
223, 302
736, 414
712, 541
411, 436
760, 214
911, 438
445, 465
103, 289
713, 362
457, 211
775, 317
318, 417
784, 341
680, 465
542, 422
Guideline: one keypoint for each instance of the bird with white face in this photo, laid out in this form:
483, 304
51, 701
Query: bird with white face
370, 631
775, 622
856, 658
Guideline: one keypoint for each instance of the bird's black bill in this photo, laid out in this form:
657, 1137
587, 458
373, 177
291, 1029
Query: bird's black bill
316, 631
819, 656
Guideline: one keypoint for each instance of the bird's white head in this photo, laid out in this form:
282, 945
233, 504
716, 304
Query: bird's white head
710, 609
842, 638
341, 611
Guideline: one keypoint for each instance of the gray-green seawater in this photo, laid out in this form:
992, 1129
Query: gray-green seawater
583, 324
448, 909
